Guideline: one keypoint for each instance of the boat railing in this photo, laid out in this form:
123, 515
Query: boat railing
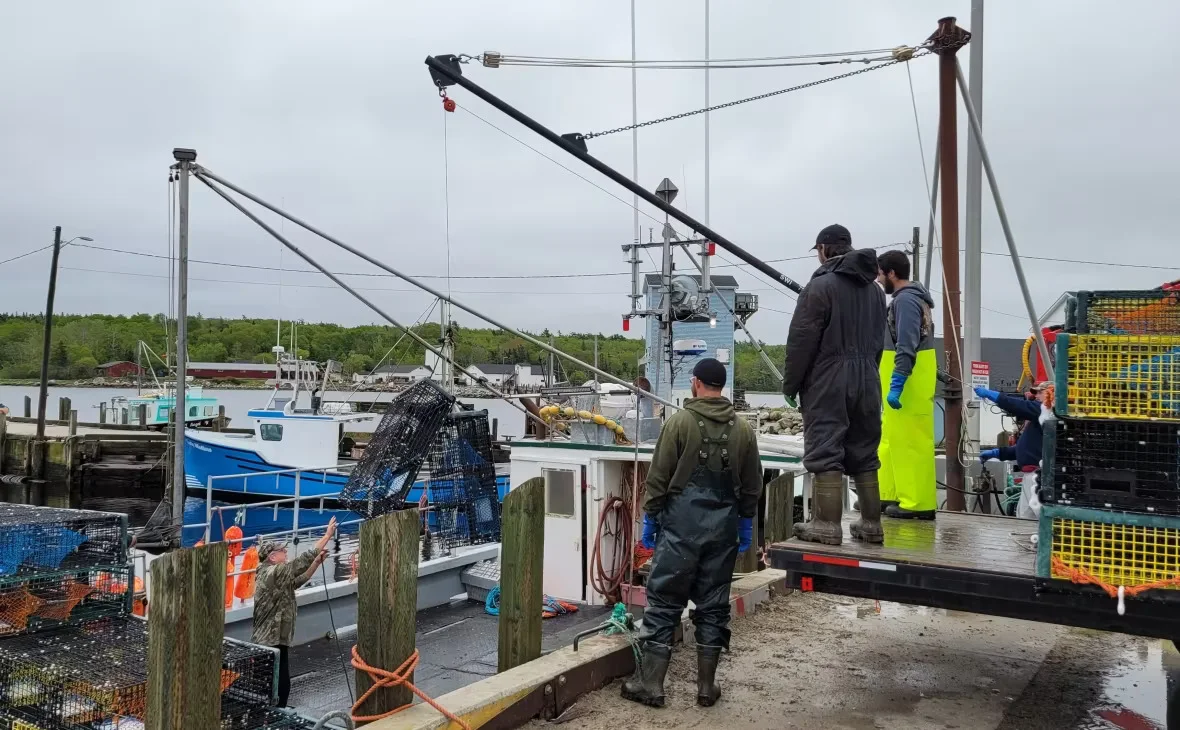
295, 502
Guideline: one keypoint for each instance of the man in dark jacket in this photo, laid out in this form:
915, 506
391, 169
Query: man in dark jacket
833, 354
909, 377
1027, 451
702, 493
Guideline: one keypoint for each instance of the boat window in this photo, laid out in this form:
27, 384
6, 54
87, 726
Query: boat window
271, 431
194, 411
208, 410
560, 492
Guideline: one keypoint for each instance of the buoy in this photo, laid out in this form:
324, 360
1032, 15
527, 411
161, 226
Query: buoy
569, 412
609, 423
599, 419
585, 415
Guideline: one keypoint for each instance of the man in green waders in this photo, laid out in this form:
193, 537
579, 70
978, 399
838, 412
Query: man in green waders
702, 495
909, 372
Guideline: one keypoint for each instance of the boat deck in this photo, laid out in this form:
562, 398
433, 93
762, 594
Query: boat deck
968, 562
458, 644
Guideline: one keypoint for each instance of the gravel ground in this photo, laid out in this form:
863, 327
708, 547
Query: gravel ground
813, 661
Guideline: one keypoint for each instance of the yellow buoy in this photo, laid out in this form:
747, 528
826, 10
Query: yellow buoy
599, 419
585, 415
611, 424
569, 412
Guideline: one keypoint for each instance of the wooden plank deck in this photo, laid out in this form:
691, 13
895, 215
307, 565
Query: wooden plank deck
955, 540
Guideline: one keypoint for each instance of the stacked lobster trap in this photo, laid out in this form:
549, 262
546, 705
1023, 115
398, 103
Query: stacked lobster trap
72, 655
1110, 474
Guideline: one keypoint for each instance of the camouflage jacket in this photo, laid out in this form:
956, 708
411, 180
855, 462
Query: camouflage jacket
274, 600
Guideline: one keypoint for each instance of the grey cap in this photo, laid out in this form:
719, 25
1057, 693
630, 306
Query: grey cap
266, 548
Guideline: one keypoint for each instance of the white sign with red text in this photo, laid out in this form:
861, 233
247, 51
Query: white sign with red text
981, 377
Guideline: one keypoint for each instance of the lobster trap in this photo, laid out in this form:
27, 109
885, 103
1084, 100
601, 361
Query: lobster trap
461, 488
1137, 553
1149, 312
380, 482
36, 539
95, 676
48, 600
1118, 376
1127, 465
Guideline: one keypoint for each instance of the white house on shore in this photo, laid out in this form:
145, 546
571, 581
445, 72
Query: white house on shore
393, 374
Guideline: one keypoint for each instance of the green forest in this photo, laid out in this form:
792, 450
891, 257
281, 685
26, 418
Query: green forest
82, 342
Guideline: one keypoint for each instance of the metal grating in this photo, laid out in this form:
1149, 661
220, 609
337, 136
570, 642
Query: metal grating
1149, 312
380, 482
461, 489
1116, 376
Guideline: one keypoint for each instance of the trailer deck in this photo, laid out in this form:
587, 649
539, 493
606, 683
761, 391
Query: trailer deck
968, 562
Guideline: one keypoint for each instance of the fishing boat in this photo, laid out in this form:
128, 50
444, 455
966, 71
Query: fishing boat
294, 446
155, 407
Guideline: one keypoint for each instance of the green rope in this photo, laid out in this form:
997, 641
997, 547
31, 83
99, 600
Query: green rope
620, 623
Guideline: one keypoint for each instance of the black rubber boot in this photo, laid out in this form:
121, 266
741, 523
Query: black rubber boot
827, 508
708, 691
646, 686
887, 503
896, 512
868, 527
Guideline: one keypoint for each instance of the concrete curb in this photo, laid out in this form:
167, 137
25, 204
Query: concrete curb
549, 685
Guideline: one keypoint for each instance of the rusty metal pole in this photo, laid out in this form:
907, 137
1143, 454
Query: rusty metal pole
946, 41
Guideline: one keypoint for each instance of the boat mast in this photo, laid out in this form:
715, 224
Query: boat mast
184, 158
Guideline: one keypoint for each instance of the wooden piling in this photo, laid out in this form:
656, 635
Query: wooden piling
387, 603
521, 569
141, 414
780, 507
61, 408
3, 434
28, 407
102, 412
186, 627
73, 423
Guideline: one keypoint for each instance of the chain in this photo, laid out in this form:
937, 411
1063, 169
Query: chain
808, 85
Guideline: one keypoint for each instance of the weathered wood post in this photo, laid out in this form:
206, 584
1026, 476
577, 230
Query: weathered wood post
102, 412
780, 507
3, 434
123, 417
63, 408
387, 603
73, 417
185, 630
521, 569
219, 425
28, 407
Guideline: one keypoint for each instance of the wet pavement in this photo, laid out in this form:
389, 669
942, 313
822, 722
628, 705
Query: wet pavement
813, 661
457, 644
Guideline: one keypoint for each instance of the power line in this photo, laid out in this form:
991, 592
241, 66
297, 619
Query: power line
1087, 263
27, 253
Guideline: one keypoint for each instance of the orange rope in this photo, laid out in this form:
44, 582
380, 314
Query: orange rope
1077, 575
383, 678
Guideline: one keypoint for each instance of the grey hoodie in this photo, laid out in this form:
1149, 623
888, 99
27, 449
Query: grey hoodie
911, 325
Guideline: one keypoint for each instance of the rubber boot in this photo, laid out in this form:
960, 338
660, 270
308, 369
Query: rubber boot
646, 686
827, 510
708, 691
897, 512
868, 527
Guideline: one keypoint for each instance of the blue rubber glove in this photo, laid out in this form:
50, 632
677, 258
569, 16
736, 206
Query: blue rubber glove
992, 395
896, 385
745, 533
651, 530
988, 454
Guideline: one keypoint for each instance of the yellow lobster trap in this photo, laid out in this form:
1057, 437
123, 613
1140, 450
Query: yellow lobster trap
1123, 553
1118, 376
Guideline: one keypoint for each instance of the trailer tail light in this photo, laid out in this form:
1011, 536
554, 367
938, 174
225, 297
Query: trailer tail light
806, 584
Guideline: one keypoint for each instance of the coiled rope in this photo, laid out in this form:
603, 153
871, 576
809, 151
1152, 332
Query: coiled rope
385, 679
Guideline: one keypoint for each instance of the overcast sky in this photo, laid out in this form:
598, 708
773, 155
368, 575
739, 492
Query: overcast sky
327, 108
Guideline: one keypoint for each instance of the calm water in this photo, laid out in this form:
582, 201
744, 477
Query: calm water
237, 402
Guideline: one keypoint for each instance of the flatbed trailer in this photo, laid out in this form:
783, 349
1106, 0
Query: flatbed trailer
968, 562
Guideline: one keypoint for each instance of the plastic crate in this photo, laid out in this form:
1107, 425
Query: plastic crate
1107, 464
1116, 548
1146, 312
1118, 376
387, 470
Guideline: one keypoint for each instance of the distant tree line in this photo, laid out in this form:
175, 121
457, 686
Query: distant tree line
82, 342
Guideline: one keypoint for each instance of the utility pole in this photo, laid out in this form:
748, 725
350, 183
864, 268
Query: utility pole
973, 253
706, 257
596, 360
947, 40
917, 244
47, 337
184, 159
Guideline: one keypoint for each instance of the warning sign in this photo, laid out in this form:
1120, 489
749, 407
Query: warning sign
981, 376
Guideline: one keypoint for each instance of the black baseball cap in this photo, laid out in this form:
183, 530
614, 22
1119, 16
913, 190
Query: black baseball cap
834, 234
710, 372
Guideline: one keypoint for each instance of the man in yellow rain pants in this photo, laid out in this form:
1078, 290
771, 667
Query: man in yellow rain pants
909, 372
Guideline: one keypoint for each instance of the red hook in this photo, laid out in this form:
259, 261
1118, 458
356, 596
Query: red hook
448, 104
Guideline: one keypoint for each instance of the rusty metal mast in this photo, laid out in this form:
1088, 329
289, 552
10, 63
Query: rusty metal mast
946, 42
